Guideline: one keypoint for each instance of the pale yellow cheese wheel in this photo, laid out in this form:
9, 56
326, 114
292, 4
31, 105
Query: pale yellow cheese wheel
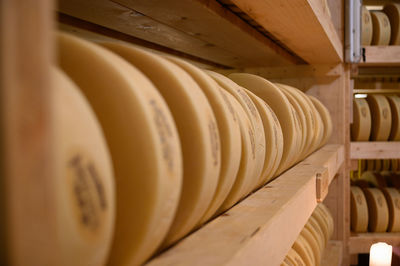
358, 210
366, 27
326, 119
313, 243
386, 164
229, 131
303, 250
378, 165
319, 131
124, 101
381, 117
392, 10
394, 102
197, 128
323, 225
394, 165
317, 234
361, 126
392, 196
84, 181
279, 134
381, 28
328, 217
378, 210
281, 106
294, 258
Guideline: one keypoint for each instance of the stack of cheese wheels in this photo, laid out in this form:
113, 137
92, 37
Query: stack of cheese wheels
381, 117
84, 183
378, 211
366, 27
381, 28
359, 210
143, 141
392, 196
361, 126
394, 102
392, 10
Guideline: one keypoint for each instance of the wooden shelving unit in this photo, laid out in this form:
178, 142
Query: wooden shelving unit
361, 243
375, 150
381, 56
332, 255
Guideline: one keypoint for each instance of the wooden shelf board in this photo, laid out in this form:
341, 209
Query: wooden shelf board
248, 233
380, 91
381, 56
375, 150
333, 254
361, 243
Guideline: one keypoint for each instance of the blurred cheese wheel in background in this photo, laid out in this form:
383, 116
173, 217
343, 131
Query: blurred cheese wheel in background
84, 181
386, 165
392, 196
392, 10
124, 101
378, 165
381, 117
366, 27
361, 126
370, 165
378, 211
359, 210
326, 119
394, 102
381, 28
197, 128
394, 165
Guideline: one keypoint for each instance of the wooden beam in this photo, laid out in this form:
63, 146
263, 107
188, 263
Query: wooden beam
333, 254
375, 150
361, 243
388, 55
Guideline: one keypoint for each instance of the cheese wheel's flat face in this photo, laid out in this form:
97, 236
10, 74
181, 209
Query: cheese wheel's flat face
361, 127
84, 175
392, 196
359, 210
381, 117
381, 28
377, 210
392, 10
366, 27
197, 129
326, 119
143, 142
229, 131
394, 102
281, 106
301, 249
307, 235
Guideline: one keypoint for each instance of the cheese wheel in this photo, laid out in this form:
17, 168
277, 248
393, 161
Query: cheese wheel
358, 210
363, 165
394, 102
245, 176
370, 165
361, 126
378, 165
84, 180
381, 28
316, 225
378, 211
323, 224
394, 165
366, 27
281, 106
255, 119
300, 247
145, 206
294, 258
326, 119
328, 216
392, 10
317, 234
197, 128
229, 131
392, 196
279, 134
381, 117
313, 243
386, 164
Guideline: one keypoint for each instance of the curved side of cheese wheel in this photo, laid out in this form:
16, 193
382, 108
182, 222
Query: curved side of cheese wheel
302, 250
392, 196
320, 130
328, 216
281, 106
294, 258
199, 140
359, 210
308, 249
394, 102
317, 234
381, 28
279, 134
366, 27
229, 131
323, 225
392, 10
394, 165
361, 126
386, 164
378, 165
84, 174
381, 117
307, 235
326, 119
377, 210
145, 206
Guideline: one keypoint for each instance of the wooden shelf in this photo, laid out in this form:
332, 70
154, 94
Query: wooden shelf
381, 56
333, 254
274, 214
361, 243
375, 150
375, 91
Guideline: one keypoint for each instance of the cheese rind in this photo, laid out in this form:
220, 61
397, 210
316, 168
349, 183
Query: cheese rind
361, 126
394, 102
381, 28
392, 10
392, 196
326, 119
366, 27
378, 210
381, 117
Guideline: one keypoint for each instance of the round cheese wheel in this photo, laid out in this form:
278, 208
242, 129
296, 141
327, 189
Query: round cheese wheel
386, 165
378, 165
301, 247
392, 196
84, 182
319, 130
394, 165
378, 211
381, 117
363, 165
318, 228
358, 210
145, 206
255, 119
326, 119
394, 102
366, 27
197, 128
323, 224
370, 165
317, 234
328, 216
279, 134
392, 10
381, 28
313, 243
361, 126
229, 131
294, 258
281, 106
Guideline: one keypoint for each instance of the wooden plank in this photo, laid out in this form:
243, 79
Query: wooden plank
304, 26
361, 243
259, 229
322, 184
375, 150
27, 191
333, 253
381, 56
380, 91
